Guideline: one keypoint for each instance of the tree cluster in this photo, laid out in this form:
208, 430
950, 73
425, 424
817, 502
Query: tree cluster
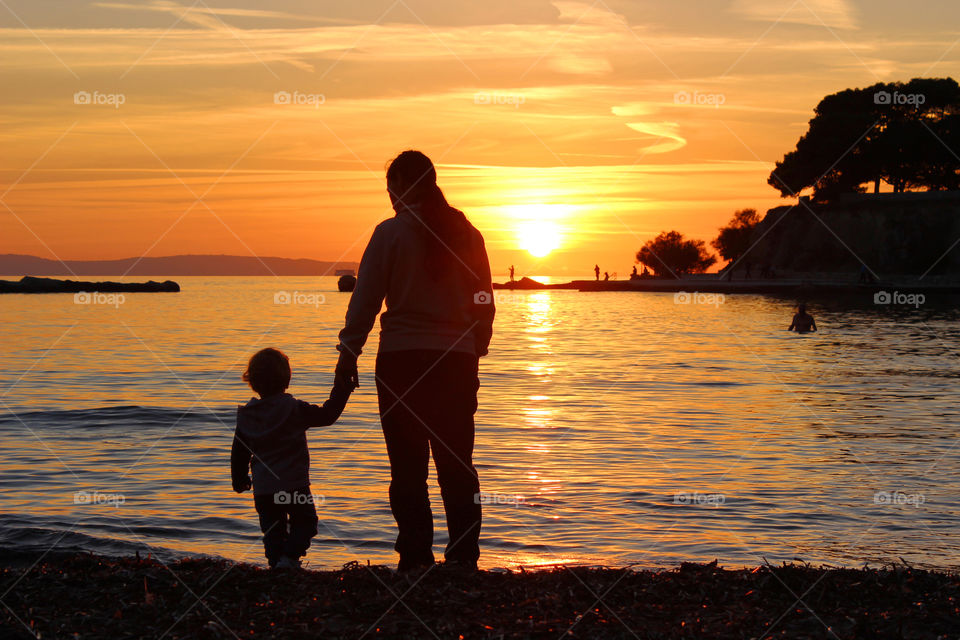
904, 134
671, 254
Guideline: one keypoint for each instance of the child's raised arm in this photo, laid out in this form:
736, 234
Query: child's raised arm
312, 415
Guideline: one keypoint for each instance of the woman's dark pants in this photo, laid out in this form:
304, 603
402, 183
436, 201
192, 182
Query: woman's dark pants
427, 401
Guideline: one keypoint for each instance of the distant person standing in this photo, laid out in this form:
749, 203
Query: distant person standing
596, 271
511, 273
803, 322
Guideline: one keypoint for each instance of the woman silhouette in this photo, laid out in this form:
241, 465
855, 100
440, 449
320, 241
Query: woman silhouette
430, 265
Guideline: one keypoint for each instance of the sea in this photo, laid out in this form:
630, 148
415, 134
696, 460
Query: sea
614, 428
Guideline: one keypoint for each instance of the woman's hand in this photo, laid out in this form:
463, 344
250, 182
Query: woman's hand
346, 373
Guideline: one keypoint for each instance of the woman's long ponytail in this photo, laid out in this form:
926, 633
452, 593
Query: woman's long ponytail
412, 180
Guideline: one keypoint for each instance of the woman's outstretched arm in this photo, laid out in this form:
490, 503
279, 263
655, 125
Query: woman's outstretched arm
365, 304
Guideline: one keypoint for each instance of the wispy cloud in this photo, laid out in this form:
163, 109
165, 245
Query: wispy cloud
588, 13
839, 14
666, 136
199, 14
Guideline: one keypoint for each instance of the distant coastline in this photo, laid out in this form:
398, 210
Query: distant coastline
179, 265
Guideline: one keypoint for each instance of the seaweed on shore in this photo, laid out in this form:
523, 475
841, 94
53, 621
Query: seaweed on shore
89, 596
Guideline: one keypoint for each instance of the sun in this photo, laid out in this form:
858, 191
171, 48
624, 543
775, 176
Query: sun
538, 237
539, 228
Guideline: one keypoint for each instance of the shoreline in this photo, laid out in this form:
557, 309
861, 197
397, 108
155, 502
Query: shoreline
96, 596
706, 284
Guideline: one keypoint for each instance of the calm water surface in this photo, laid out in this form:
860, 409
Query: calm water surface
613, 428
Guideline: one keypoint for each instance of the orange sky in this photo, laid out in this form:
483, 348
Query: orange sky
581, 127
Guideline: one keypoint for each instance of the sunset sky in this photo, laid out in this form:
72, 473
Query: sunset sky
573, 129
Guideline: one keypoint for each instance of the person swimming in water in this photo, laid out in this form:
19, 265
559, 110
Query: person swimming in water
803, 322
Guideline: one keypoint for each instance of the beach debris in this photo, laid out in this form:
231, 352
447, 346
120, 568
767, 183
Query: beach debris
147, 596
86, 596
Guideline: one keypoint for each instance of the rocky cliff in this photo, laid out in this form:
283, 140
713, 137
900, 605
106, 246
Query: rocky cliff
908, 234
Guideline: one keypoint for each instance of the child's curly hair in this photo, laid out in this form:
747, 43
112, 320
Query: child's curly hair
268, 372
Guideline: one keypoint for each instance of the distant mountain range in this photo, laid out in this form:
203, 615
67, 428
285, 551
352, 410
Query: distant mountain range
187, 265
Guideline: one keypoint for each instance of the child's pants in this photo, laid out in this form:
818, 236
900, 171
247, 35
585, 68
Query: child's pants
288, 519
